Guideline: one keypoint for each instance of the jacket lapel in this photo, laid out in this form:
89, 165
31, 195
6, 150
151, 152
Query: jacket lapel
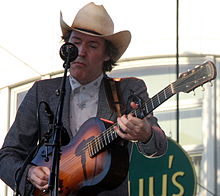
65, 113
104, 110
66, 108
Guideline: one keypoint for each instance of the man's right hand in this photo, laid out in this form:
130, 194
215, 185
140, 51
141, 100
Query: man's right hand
38, 176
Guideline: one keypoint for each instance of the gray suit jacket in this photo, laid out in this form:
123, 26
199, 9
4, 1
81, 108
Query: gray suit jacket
22, 136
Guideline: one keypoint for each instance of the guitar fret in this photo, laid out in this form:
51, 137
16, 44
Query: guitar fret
92, 149
152, 103
165, 94
158, 98
112, 136
116, 135
99, 145
89, 151
135, 112
102, 142
161, 97
95, 147
105, 141
108, 138
146, 108
149, 107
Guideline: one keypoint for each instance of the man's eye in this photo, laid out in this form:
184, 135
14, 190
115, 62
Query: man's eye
93, 46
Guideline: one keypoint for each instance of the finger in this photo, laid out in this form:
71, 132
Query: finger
134, 121
41, 187
128, 133
125, 125
42, 172
39, 176
119, 132
46, 170
120, 128
149, 116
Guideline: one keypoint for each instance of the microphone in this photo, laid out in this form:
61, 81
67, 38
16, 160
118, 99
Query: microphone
68, 51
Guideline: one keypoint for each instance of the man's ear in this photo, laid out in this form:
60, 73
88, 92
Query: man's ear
107, 58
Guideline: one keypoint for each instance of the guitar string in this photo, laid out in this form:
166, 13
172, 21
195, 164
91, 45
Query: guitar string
66, 163
75, 157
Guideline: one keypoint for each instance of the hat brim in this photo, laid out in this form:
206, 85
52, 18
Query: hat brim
120, 40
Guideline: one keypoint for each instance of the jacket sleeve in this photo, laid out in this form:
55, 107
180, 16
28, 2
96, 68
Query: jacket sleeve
157, 144
18, 143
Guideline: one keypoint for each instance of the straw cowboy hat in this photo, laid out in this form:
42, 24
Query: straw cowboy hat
94, 20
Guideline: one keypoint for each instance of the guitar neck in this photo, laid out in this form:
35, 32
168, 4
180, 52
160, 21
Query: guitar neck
109, 135
152, 103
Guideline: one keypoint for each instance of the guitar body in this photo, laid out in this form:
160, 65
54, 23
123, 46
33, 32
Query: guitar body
81, 174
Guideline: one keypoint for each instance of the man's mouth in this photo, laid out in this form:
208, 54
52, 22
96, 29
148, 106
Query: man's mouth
78, 63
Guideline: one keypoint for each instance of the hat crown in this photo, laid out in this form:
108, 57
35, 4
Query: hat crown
94, 18
95, 21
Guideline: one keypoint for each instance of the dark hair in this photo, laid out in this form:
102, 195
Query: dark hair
111, 50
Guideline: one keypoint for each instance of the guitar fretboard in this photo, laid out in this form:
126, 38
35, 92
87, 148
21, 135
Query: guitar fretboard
109, 135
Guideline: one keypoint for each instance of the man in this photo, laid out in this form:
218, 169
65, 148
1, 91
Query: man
86, 96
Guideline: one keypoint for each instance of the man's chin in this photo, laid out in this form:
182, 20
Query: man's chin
79, 76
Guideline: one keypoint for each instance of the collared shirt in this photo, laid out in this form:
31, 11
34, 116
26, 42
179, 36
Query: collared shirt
83, 102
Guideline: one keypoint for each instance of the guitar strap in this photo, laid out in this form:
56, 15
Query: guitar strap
112, 87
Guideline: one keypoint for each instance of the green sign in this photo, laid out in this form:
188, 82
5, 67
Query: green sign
170, 175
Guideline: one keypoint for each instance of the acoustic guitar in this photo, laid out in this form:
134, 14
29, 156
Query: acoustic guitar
90, 163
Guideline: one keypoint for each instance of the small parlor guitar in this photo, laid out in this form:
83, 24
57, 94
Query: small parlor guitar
90, 163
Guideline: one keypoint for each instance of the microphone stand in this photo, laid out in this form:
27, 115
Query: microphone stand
57, 129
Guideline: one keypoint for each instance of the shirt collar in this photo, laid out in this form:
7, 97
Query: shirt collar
92, 85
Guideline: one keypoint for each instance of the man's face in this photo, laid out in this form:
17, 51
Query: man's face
92, 53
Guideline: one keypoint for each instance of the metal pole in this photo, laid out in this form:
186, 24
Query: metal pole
177, 69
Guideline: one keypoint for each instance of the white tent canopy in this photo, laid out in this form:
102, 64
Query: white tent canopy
30, 31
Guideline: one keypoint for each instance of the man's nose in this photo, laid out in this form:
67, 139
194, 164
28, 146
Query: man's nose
82, 50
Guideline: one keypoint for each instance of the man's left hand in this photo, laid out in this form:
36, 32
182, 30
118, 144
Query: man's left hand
133, 128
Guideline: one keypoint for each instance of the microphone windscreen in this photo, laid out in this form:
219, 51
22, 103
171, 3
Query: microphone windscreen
68, 50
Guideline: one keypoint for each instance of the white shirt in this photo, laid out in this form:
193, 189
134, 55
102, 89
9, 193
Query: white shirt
83, 102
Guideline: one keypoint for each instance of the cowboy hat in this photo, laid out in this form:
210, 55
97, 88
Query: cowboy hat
94, 20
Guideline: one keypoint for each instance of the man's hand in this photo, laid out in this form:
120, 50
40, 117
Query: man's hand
133, 128
38, 176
